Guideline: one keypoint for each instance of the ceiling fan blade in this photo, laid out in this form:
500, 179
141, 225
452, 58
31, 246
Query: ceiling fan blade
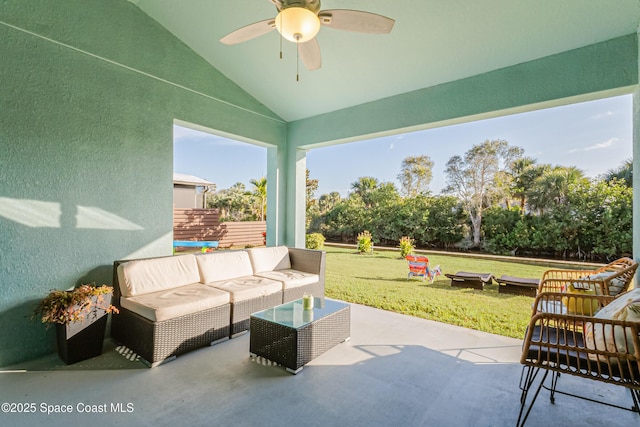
310, 54
356, 20
249, 32
277, 3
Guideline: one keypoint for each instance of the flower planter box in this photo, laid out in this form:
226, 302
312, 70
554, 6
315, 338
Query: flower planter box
83, 340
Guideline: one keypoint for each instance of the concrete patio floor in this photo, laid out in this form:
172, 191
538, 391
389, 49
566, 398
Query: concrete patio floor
395, 371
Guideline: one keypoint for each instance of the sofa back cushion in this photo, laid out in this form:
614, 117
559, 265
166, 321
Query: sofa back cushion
223, 265
157, 274
269, 259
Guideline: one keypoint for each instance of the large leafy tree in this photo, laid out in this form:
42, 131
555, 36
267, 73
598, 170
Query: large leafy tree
234, 203
415, 175
471, 178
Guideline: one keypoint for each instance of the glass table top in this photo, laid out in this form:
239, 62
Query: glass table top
293, 314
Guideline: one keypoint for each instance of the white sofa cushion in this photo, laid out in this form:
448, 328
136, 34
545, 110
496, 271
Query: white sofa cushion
152, 275
269, 259
224, 265
171, 303
291, 278
248, 287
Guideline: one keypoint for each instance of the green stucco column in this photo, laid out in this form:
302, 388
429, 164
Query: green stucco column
296, 197
276, 195
286, 196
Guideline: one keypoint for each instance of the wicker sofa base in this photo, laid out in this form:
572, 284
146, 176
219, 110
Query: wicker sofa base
241, 311
157, 342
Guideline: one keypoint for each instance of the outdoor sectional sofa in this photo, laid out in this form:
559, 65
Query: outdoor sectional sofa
174, 304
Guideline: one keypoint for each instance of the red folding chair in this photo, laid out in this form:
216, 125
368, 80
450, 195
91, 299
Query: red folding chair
419, 266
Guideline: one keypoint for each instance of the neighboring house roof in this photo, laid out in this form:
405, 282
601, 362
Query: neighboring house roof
179, 178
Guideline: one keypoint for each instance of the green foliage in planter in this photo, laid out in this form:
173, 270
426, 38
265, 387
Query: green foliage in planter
365, 243
406, 246
73, 306
314, 241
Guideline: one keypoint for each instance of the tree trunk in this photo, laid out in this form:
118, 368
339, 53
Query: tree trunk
476, 221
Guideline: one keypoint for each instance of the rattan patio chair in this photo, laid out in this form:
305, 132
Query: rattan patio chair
599, 349
612, 279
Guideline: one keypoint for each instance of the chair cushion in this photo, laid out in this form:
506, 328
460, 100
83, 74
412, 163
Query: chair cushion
581, 306
625, 307
171, 303
248, 287
291, 278
615, 285
157, 274
224, 265
269, 259
552, 347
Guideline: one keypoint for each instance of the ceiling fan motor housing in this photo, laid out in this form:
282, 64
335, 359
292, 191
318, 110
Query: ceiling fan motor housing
312, 5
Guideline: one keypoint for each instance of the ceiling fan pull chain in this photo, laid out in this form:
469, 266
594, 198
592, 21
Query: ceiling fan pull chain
280, 39
297, 59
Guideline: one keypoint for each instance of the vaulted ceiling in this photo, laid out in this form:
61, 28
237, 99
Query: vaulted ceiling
432, 42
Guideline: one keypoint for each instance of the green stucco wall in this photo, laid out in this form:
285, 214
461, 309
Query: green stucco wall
603, 69
89, 92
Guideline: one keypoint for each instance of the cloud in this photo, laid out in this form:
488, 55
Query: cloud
608, 143
602, 115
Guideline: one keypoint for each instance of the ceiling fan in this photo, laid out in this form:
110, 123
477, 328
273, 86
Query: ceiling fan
299, 21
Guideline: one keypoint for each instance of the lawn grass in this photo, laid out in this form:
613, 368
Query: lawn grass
380, 280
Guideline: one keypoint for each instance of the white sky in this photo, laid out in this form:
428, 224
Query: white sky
594, 136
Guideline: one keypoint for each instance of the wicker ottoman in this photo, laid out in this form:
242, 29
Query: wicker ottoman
292, 336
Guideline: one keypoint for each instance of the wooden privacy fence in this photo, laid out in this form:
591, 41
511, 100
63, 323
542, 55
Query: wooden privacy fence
204, 224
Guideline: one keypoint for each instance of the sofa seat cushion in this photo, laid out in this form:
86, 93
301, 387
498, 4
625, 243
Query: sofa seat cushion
171, 303
269, 259
291, 278
225, 265
248, 287
157, 274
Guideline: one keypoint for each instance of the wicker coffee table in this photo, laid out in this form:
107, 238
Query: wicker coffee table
292, 336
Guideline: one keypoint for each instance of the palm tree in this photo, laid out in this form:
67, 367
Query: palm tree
524, 173
261, 191
326, 202
551, 189
623, 173
363, 187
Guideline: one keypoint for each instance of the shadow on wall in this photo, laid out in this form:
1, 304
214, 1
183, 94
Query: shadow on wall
53, 245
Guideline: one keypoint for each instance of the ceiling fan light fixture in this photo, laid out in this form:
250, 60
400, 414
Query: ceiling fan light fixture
297, 24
